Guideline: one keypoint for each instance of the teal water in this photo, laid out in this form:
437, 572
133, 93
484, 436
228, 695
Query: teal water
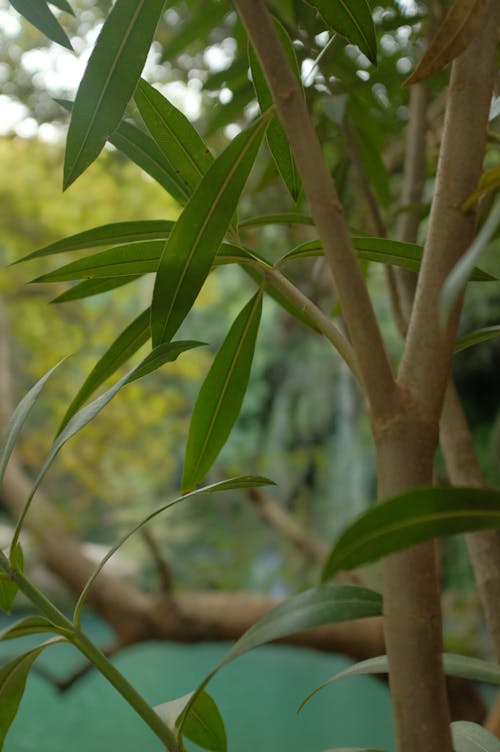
257, 694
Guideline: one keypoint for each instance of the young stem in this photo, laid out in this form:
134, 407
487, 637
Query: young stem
94, 655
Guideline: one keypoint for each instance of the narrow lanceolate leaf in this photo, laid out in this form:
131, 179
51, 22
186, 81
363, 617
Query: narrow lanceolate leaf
118, 233
474, 338
8, 592
90, 287
38, 13
462, 23
490, 181
413, 517
177, 139
381, 250
123, 260
327, 604
30, 625
453, 665
457, 279
220, 398
124, 346
63, 5
276, 136
12, 683
244, 481
109, 80
191, 248
470, 737
287, 218
18, 419
204, 726
351, 19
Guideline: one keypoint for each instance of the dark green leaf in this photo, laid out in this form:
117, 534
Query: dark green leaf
30, 625
63, 5
191, 248
327, 604
18, 419
117, 233
164, 353
91, 287
109, 80
474, 338
123, 260
470, 737
124, 346
8, 592
12, 683
276, 136
175, 136
221, 396
204, 725
195, 29
38, 13
413, 517
351, 19
381, 250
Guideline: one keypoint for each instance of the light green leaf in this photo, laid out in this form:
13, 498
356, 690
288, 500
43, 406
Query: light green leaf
12, 683
30, 625
177, 139
474, 338
125, 345
413, 517
327, 604
276, 136
287, 218
221, 396
489, 181
470, 737
18, 419
90, 287
118, 233
351, 19
139, 147
109, 80
38, 13
191, 248
244, 481
381, 250
457, 279
204, 726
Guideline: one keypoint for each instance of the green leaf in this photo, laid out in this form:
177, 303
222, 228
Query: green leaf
109, 80
470, 737
118, 233
457, 279
123, 260
125, 345
204, 725
413, 517
63, 5
90, 287
327, 604
276, 136
191, 248
352, 749
381, 250
164, 353
8, 592
178, 140
351, 19
30, 625
18, 419
139, 147
244, 481
195, 29
12, 683
474, 338
287, 218
38, 13
221, 396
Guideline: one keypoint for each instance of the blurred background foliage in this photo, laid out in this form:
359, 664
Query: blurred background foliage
302, 423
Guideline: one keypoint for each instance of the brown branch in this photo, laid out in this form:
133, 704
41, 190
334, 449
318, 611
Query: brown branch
162, 566
325, 207
425, 365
